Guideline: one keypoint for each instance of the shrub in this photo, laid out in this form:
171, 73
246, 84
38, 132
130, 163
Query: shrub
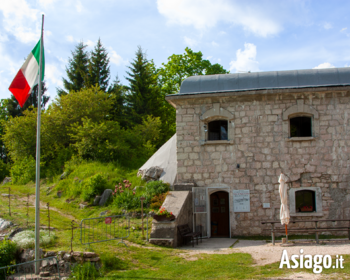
8, 251
94, 186
4, 170
125, 197
156, 187
26, 239
84, 271
23, 171
157, 201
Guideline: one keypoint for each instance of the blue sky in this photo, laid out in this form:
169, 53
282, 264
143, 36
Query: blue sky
240, 35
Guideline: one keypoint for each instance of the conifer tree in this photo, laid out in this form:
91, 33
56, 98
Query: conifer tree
99, 70
76, 70
144, 96
117, 92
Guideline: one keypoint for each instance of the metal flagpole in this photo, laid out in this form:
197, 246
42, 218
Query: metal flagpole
37, 188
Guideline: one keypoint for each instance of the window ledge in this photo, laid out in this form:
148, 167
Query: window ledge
301, 139
216, 142
311, 214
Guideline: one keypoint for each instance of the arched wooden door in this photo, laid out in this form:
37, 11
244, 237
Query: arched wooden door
219, 214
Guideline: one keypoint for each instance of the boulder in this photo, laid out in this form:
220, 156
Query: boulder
152, 174
4, 224
90, 255
82, 206
14, 232
50, 254
63, 176
97, 200
105, 196
6, 180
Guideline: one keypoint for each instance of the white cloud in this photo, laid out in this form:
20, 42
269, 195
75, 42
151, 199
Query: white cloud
245, 60
53, 79
209, 57
327, 26
190, 42
324, 65
79, 6
21, 20
70, 38
343, 29
215, 44
89, 43
203, 14
115, 58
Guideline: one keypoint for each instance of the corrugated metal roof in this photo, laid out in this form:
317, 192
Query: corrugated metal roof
266, 80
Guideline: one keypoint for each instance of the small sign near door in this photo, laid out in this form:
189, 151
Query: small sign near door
241, 200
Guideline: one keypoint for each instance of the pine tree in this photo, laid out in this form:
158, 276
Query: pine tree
117, 92
77, 70
144, 96
99, 67
13, 109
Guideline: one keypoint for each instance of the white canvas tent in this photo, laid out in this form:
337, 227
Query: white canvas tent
165, 158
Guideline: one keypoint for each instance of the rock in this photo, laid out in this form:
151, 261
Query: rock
59, 194
97, 259
4, 224
82, 206
77, 254
97, 200
105, 196
29, 255
151, 174
6, 180
61, 253
14, 232
67, 257
44, 274
90, 255
63, 176
103, 213
50, 254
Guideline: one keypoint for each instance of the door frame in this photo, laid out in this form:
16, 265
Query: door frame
211, 190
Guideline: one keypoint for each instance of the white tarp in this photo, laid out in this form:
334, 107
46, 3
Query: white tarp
165, 158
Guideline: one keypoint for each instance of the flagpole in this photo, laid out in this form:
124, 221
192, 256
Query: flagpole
37, 188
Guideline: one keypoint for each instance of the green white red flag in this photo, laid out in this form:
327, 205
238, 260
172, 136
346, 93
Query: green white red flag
28, 76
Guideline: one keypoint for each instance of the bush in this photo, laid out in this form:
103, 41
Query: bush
157, 201
26, 239
84, 271
23, 171
95, 186
8, 251
156, 187
4, 170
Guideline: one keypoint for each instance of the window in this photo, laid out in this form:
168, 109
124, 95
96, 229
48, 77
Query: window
300, 127
217, 130
305, 201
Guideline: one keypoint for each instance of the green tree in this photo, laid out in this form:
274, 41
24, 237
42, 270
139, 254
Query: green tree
99, 70
117, 91
77, 70
181, 66
144, 97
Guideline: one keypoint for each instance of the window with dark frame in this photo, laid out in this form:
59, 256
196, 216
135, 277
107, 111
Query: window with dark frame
305, 201
300, 127
217, 130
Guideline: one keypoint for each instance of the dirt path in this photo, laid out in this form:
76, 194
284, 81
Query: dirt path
44, 205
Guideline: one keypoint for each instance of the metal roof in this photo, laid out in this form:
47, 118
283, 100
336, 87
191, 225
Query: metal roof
266, 80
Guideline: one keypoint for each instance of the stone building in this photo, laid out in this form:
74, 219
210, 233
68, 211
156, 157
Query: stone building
236, 133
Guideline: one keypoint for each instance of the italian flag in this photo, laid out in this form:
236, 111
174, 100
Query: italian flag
28, 76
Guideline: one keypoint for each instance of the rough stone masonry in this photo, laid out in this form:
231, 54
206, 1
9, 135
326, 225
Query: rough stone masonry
259, 148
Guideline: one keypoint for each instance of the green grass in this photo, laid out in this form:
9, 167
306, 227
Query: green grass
120, 262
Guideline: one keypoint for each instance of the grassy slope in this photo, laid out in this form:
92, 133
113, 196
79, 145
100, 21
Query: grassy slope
131, 262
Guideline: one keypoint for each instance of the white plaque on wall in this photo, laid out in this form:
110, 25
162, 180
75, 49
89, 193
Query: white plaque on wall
266, 205
241, 201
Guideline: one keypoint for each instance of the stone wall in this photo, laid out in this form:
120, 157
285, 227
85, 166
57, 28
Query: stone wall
259, 143
166, 233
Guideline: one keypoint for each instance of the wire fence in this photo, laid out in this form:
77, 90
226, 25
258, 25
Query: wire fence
47, 268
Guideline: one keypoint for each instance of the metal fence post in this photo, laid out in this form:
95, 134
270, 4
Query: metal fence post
9, 201
48, 215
